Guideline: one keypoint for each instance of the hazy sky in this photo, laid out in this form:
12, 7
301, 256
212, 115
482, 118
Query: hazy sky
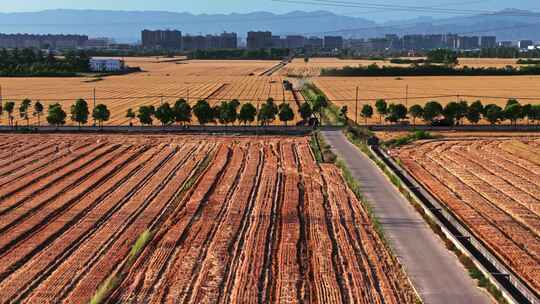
242, 6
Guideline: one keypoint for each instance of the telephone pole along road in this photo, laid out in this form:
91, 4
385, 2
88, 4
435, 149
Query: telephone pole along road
434, 271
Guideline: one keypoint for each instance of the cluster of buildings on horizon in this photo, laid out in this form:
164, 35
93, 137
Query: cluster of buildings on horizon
175, 40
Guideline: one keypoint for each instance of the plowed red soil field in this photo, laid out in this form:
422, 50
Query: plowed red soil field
229, 220
493, 186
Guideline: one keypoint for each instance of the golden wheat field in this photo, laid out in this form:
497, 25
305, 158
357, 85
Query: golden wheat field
192, 80
313, 68
488, 89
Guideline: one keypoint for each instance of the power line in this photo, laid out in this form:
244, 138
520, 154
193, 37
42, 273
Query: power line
411, 8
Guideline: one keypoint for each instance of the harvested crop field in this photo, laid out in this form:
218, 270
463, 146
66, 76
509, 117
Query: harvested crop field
488, 89
313, 68
243, 219
192, 80
493, 186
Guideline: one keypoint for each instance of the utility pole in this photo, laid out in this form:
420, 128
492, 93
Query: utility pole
187, 94
356, 107
94, 106
407, 96
161, 100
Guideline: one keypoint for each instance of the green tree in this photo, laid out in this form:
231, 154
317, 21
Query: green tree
444, 56
101, 114
130, 115
461, 110
474, 112
382, 108
24, 107
146, 114
247, 113
513, 111
203, 112
9, 107
165, 114
305, 111
56, 116
268, 112
216, 113
396, 112
38, 111
525, 111
228, 112
343, 112
285, 113
367, 112
416, 111
319, 104
534, 113
432, 110
182, 111
450, 112
493, 113
79, 112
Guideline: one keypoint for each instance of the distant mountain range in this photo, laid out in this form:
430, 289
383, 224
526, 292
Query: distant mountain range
125, 26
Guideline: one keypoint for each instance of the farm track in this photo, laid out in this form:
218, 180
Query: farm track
490, 185
249, 219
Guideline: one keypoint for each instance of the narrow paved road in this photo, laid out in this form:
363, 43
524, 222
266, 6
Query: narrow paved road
435, 272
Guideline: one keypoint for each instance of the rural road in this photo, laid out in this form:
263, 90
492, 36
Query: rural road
435, 272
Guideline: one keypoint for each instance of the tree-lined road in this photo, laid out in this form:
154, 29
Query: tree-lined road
434, 271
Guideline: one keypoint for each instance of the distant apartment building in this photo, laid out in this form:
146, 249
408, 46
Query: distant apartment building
524, 44
278, 42
468, 43
194, 42
295, 41
377, 45
259, 40
314, 43
228, 40
199, 42
451, 41
98, 43
413, 42
394, 43
11, 41
488, 42
166, 39
333, 42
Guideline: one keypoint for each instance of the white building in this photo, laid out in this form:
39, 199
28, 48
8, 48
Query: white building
106, 65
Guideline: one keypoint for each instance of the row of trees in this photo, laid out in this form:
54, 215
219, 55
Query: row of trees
181, 112
34, 62
226, 113
430, 70
262, 54
453, 113
55, 114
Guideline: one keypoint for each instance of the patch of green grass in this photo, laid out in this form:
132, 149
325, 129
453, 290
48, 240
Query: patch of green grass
104, 290
412, 137
139, 245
